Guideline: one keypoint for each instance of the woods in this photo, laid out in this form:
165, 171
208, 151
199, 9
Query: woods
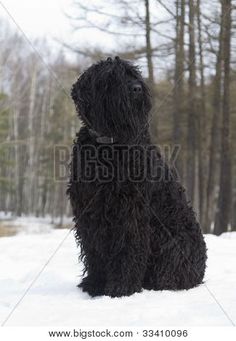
186, 49
36, 114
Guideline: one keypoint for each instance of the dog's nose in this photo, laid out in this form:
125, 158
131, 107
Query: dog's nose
136, 88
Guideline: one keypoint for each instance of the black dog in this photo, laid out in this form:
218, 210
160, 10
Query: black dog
132, 220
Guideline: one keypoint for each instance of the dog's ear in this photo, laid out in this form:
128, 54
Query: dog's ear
117, 58
77, 98
81, 98
109, 59
74, 92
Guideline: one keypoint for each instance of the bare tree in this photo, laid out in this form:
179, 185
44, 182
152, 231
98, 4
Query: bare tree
225, 193
148, 43
192, 111
213, 168
178, 90
202, 140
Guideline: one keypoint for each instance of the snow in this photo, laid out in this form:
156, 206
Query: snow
46, 266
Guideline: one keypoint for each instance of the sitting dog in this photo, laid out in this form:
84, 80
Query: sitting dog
133, 223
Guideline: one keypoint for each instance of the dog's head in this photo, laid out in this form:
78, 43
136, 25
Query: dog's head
111, 97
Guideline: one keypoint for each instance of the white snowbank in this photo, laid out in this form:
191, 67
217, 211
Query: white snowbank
54, 298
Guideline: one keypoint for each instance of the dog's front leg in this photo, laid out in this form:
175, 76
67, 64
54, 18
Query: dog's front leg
126, 268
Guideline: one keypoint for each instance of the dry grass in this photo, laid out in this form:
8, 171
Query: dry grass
64, 226
6, 230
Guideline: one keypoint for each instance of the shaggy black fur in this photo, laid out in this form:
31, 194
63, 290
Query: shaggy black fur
135, 230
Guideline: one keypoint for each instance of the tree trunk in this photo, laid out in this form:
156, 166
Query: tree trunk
148, 43
191, 134
154, 118
18, 176
178, 91
202, 141
224, 199
213, 171
32, 157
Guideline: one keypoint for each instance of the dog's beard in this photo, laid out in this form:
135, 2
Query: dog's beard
130, 123
119, 115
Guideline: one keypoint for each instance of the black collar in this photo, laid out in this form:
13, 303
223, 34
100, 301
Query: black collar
101, 139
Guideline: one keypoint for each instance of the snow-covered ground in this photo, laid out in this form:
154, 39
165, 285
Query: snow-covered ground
46, 265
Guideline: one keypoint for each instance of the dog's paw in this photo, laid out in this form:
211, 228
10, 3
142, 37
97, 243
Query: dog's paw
92, 286
116, 290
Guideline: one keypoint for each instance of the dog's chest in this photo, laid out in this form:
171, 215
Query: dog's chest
115, 163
